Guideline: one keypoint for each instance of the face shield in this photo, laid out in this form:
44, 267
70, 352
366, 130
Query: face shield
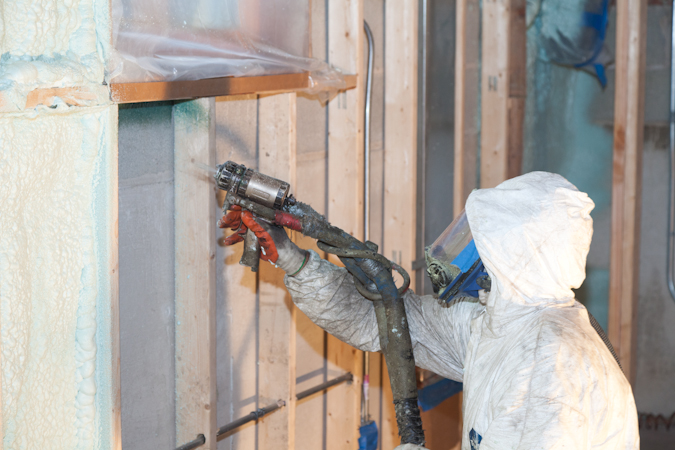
453, 264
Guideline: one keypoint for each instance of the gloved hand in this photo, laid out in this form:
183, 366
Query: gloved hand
410, 447
275, 245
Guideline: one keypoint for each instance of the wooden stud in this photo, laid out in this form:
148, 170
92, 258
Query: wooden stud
345, 204
400, 133
503, 81
467, 76
114, 277
311, 188
388, 428
237, 302
194, 143
631, 18
400, 159
277, 328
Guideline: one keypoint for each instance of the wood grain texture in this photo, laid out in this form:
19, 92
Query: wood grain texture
237, 289
195, 309
627, 181
277, 326
400, 133
114, 287
502, 90
310, 187
400, 158
467, 77
345, 204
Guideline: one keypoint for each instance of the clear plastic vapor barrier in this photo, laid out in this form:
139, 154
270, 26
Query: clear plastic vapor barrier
170, 40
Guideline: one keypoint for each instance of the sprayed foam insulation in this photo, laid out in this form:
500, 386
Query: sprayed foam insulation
57, 186
53, 44
54, 229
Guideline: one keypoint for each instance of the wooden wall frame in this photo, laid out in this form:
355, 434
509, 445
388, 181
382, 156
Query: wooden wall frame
503, 88
624, 275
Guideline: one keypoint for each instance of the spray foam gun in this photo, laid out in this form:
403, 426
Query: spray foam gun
268, 199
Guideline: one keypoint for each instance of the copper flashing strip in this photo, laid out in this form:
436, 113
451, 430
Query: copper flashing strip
211, 87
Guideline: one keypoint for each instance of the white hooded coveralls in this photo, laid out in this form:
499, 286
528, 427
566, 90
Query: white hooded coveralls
536, 374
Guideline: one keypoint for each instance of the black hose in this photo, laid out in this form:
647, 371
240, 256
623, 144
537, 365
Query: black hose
367, 266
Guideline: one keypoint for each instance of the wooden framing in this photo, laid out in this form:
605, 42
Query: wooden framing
400, 159
627, 181
467, 76
114, 277
503, 82
238, 291
195, 290
277, 323
345, 204
183, 90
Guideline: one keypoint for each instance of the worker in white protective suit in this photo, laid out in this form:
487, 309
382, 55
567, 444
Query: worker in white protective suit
536, 374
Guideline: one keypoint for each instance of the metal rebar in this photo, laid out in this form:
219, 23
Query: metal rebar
671, 166
198, 442
323, 386
254, 415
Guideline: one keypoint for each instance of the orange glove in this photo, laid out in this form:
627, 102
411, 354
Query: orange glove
241, 221
275, 245
268, 247
232, 220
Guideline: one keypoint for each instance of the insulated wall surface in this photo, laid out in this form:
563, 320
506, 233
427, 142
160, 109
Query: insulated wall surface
58, 228
54, 277
569, 130
146, 252
654, 393
562, 136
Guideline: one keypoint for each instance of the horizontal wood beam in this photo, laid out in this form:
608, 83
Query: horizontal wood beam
157, 91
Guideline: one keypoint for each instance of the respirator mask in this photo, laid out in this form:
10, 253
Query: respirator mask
453, 264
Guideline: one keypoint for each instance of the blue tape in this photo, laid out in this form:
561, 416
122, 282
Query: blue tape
368, 436
433, 395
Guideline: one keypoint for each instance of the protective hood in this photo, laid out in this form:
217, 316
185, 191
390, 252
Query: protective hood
532, 233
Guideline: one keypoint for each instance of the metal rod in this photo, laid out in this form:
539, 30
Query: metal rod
323, 386
365, 407
670, 263
366, 134
254, 415
201, 440
421, 142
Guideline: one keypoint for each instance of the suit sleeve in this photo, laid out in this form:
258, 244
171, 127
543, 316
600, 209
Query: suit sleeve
440, 335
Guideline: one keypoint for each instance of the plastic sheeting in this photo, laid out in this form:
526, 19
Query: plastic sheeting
171, 40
